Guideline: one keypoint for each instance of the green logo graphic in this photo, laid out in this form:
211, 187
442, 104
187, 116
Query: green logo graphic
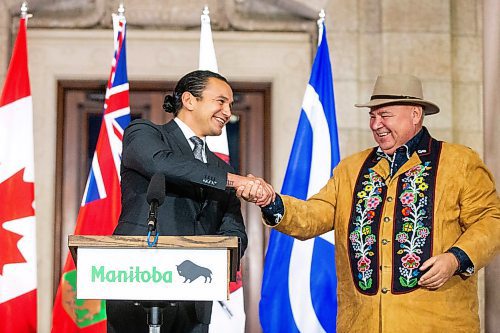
83, 312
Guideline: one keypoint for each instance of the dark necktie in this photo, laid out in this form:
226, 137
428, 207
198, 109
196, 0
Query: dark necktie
198, 147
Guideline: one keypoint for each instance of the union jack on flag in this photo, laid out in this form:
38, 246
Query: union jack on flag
116, 118
101, 205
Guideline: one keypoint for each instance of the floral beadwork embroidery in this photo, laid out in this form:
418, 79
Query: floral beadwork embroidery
363, 237
412, 221
413, 234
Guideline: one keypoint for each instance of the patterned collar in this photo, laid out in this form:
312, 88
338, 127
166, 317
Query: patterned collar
403, 153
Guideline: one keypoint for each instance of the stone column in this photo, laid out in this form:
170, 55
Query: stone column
5, 41
491, 99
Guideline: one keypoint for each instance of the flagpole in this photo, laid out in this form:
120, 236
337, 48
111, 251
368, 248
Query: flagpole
121, 10
205, 17
24, 11
207, 59
321, 22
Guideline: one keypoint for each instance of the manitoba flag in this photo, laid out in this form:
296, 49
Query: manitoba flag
100, 206
17, 214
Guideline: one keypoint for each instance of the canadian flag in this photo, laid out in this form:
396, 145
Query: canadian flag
17, 195
208, 61
227, 316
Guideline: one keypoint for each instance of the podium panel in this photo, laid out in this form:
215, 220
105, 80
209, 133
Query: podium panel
177, 268
152, 274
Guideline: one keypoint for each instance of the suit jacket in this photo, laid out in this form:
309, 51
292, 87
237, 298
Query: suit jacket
197, 201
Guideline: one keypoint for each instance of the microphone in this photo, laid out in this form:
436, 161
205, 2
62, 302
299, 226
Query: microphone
155, 198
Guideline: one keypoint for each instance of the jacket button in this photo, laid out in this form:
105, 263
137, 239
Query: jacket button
387, 219
385, 290
389, 199
384, 241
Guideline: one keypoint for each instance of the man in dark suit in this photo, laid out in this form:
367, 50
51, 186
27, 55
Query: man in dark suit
200, 195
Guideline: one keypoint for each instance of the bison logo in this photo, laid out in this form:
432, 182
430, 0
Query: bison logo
190, 271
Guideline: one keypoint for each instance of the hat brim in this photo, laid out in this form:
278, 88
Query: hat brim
429, 108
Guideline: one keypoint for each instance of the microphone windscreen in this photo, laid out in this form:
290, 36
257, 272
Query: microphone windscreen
156, 189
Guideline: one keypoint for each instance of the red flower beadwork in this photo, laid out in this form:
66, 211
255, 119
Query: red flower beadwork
364, 264
411, 260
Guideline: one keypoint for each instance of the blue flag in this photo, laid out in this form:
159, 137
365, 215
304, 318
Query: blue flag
299, 283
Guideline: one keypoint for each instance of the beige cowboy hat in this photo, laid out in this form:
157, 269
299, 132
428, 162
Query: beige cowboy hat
399, 89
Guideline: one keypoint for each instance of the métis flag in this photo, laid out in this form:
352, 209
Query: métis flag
227, 316
100, 207
299, 283
17, 195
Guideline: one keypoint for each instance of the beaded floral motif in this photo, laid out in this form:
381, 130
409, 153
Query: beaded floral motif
363, 238
413, 234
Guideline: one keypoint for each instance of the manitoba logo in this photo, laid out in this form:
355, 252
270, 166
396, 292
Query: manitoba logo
134, 274
83, 312
190, 271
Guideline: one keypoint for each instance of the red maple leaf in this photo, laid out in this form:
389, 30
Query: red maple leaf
16, 198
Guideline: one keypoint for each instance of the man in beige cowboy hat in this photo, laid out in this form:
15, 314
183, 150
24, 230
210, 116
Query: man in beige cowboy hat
414, 218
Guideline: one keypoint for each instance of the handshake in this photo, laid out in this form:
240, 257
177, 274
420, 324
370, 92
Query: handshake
252, 189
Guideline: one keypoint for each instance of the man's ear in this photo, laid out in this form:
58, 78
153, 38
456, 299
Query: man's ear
188, 100
418, 113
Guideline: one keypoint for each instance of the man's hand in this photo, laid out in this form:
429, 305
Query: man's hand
441, 269
252, 189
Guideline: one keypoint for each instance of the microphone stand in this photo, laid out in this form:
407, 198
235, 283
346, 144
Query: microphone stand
155, 316
152, 219
153, 211
155, 197
154, 313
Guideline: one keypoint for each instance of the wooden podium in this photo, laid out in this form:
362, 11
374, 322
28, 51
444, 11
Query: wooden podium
177, 268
